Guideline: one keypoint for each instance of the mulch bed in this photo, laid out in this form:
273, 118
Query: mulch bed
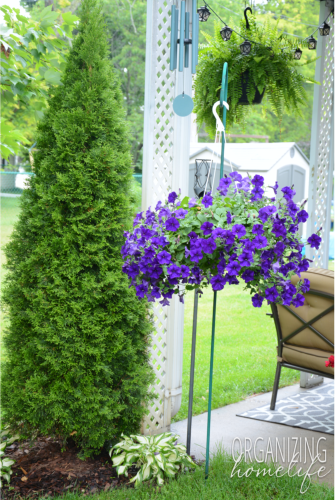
42, 469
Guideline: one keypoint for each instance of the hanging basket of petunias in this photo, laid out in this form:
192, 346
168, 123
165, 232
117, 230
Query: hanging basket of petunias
237, 233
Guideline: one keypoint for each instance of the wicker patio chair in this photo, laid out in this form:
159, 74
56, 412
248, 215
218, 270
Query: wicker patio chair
306, 334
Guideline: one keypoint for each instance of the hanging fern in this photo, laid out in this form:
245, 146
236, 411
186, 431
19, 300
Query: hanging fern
270, 66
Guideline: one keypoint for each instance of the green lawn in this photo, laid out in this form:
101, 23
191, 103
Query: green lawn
220, 486
10, 209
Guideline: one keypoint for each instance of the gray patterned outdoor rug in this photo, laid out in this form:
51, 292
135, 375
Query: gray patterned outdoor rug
312, 410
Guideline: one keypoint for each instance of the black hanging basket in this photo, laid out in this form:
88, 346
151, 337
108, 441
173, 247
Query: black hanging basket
243, 99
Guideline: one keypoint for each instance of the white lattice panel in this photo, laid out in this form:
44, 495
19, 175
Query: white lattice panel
322, 143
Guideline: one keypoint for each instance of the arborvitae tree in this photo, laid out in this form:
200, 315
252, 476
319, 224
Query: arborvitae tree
76, 348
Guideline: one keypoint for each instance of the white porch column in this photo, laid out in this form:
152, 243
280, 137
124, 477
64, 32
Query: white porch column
322, 143
321, 155
165, 168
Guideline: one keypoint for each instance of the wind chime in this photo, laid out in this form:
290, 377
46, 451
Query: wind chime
183, 103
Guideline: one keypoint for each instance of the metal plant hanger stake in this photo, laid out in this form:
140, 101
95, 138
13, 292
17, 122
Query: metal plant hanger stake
221, 130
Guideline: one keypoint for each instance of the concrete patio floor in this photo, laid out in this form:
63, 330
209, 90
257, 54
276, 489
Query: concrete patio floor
226, 426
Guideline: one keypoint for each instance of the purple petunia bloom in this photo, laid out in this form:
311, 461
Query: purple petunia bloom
279, 229
207, 200
218, 233
303, 266
192, 203
228, 217
260, 241
185, 271
275, 187
288, 193
239, 230
164, 257
245, 184
257, 193
265, 212
258, 229
164, 302
305, 286
192, 235
298, 300
149, 253
164, 212
172, 224
271, 294
133, 270
248, 275
206, 227
233, 268
158, 206
155, 292
137, 219
257, 300
155, 272
196, 254
180, 213
235, 176
172, 197
258, 181
302, 216
174, 271
225, 183
314, 241
209, 245
279, 248
217, 282
293, 228
146, 233
141, 290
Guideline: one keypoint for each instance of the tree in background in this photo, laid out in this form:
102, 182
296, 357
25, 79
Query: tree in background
32, 59
77, 360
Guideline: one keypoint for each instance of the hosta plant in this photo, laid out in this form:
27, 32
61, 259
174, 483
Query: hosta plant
158, 457
5, 463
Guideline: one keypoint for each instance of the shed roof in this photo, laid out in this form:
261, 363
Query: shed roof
247, 156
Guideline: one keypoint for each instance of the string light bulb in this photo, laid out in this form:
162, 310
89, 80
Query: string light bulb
324, 29
245, 48
226, 33
297, 54
312, 43
203, 13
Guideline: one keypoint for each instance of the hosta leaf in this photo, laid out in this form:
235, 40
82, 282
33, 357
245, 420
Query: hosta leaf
6, 462
141, 439
146, 472
118, 459
121, 469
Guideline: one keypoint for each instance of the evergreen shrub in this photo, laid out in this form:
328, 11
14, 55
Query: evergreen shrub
77, 345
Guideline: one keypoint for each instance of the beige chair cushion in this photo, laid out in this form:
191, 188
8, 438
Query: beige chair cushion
307, 358
320, 280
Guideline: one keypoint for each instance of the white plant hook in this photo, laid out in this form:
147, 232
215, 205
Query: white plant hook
219, 129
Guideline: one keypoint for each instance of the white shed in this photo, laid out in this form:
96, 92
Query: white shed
279, 161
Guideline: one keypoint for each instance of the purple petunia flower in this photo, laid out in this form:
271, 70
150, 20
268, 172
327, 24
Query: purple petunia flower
133, 270
174, 271
305, 286
275, 187
257, 193
149, 253
192, 235
180, 213
258, 181
164, 302
298, 300
207, 200
172, 197
164, 257
233, 268
158, 206
279, 248
185, 271
239, 230
206, 227
228, 218
248, 275
172, 224
196, 254
303, 266
164, 212
235, 176
245, 184
258, 229
271, 294
146, 233
192, 203
260, 241
209, 245
302, 216
265, 212
141, 290
257, 300
288, 193
279, 229
137, 219
217, 282
314, 241
155, 292
218, 233
225, 183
